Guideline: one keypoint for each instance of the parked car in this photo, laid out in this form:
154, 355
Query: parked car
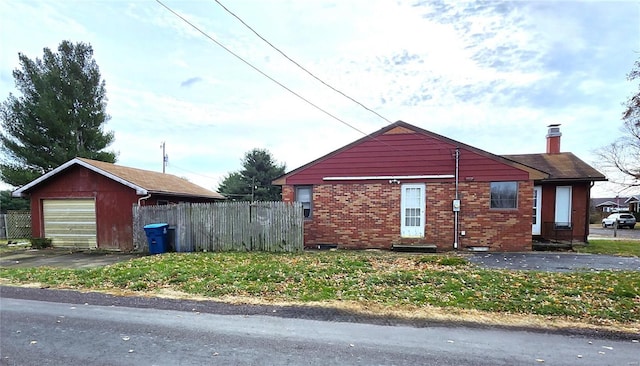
624, 220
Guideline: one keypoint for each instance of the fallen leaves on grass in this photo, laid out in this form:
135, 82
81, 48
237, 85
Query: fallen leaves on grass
401, 282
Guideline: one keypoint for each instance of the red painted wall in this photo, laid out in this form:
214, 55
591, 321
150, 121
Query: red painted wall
406, 154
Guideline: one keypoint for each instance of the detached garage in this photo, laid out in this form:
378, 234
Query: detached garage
87, 204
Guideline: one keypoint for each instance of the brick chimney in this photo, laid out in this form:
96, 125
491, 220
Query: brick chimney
553, 139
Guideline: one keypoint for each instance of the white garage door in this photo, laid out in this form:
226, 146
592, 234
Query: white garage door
70, 223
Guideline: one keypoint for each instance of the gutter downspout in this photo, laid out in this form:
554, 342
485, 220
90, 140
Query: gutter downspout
587, 219
455, 213
144, 198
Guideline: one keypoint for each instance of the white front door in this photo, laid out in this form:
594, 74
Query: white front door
537, 205
412, 210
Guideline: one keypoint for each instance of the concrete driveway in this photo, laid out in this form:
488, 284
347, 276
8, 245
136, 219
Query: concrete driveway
61, 258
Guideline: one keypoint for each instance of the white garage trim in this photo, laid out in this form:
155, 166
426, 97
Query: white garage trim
20, 192
70, 223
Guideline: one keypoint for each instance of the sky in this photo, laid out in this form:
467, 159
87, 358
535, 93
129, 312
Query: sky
489, 74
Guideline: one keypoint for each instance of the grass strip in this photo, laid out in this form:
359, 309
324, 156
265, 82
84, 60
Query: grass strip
391, 280
627, 248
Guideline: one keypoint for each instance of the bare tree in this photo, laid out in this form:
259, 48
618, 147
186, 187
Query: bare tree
624, 153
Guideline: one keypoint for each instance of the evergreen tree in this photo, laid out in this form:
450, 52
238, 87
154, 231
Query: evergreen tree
253, 182
59, 115
9, 203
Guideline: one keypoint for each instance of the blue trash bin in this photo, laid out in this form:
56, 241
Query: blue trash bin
157, 237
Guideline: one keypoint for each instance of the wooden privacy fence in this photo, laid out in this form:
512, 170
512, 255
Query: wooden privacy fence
225, 226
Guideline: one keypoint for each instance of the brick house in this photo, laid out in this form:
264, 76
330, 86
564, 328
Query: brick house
87, 204
404, 185
633, 203
605, 206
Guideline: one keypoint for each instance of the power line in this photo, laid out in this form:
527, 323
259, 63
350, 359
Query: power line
297, 64
260, 71
192, 172
309, 72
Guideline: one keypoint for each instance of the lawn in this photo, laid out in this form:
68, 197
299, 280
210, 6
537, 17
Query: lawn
627, 248
6, 247
364, 280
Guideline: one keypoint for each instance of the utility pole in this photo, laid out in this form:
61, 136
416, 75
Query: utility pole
165, 158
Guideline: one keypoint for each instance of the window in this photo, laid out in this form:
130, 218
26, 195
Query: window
303, 195
504, 195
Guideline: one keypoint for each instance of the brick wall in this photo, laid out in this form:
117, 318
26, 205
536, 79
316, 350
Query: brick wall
360, 216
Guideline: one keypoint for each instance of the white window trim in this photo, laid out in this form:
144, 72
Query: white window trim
296, 188
392, 177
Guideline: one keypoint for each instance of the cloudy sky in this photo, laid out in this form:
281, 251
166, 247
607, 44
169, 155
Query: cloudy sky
489, 74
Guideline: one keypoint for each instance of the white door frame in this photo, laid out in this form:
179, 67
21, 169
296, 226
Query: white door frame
412, 210
536, 226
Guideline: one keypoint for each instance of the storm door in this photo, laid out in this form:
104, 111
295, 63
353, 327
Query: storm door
412, 210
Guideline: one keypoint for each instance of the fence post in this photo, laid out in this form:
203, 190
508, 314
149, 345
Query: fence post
3, 226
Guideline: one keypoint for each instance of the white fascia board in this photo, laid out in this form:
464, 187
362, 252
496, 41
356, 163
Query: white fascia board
632, 199
607, 203
20, 192
387, 177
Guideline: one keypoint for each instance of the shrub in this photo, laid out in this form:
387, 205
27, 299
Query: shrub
452, 261
595, 218
40, 243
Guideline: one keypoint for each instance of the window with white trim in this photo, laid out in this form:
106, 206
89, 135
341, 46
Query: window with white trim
303, 195
504, 195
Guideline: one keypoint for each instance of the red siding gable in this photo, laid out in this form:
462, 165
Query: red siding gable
404, 152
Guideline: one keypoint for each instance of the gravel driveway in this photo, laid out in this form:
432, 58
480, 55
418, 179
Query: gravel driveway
555, 262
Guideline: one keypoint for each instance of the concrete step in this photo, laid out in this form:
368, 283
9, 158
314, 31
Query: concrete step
414, 248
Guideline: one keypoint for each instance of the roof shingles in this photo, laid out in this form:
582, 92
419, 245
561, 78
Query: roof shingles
562, 166
154, 182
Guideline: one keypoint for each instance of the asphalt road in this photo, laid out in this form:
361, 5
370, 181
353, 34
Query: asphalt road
38, 332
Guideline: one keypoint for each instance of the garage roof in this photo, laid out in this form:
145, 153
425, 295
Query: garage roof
143, 181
